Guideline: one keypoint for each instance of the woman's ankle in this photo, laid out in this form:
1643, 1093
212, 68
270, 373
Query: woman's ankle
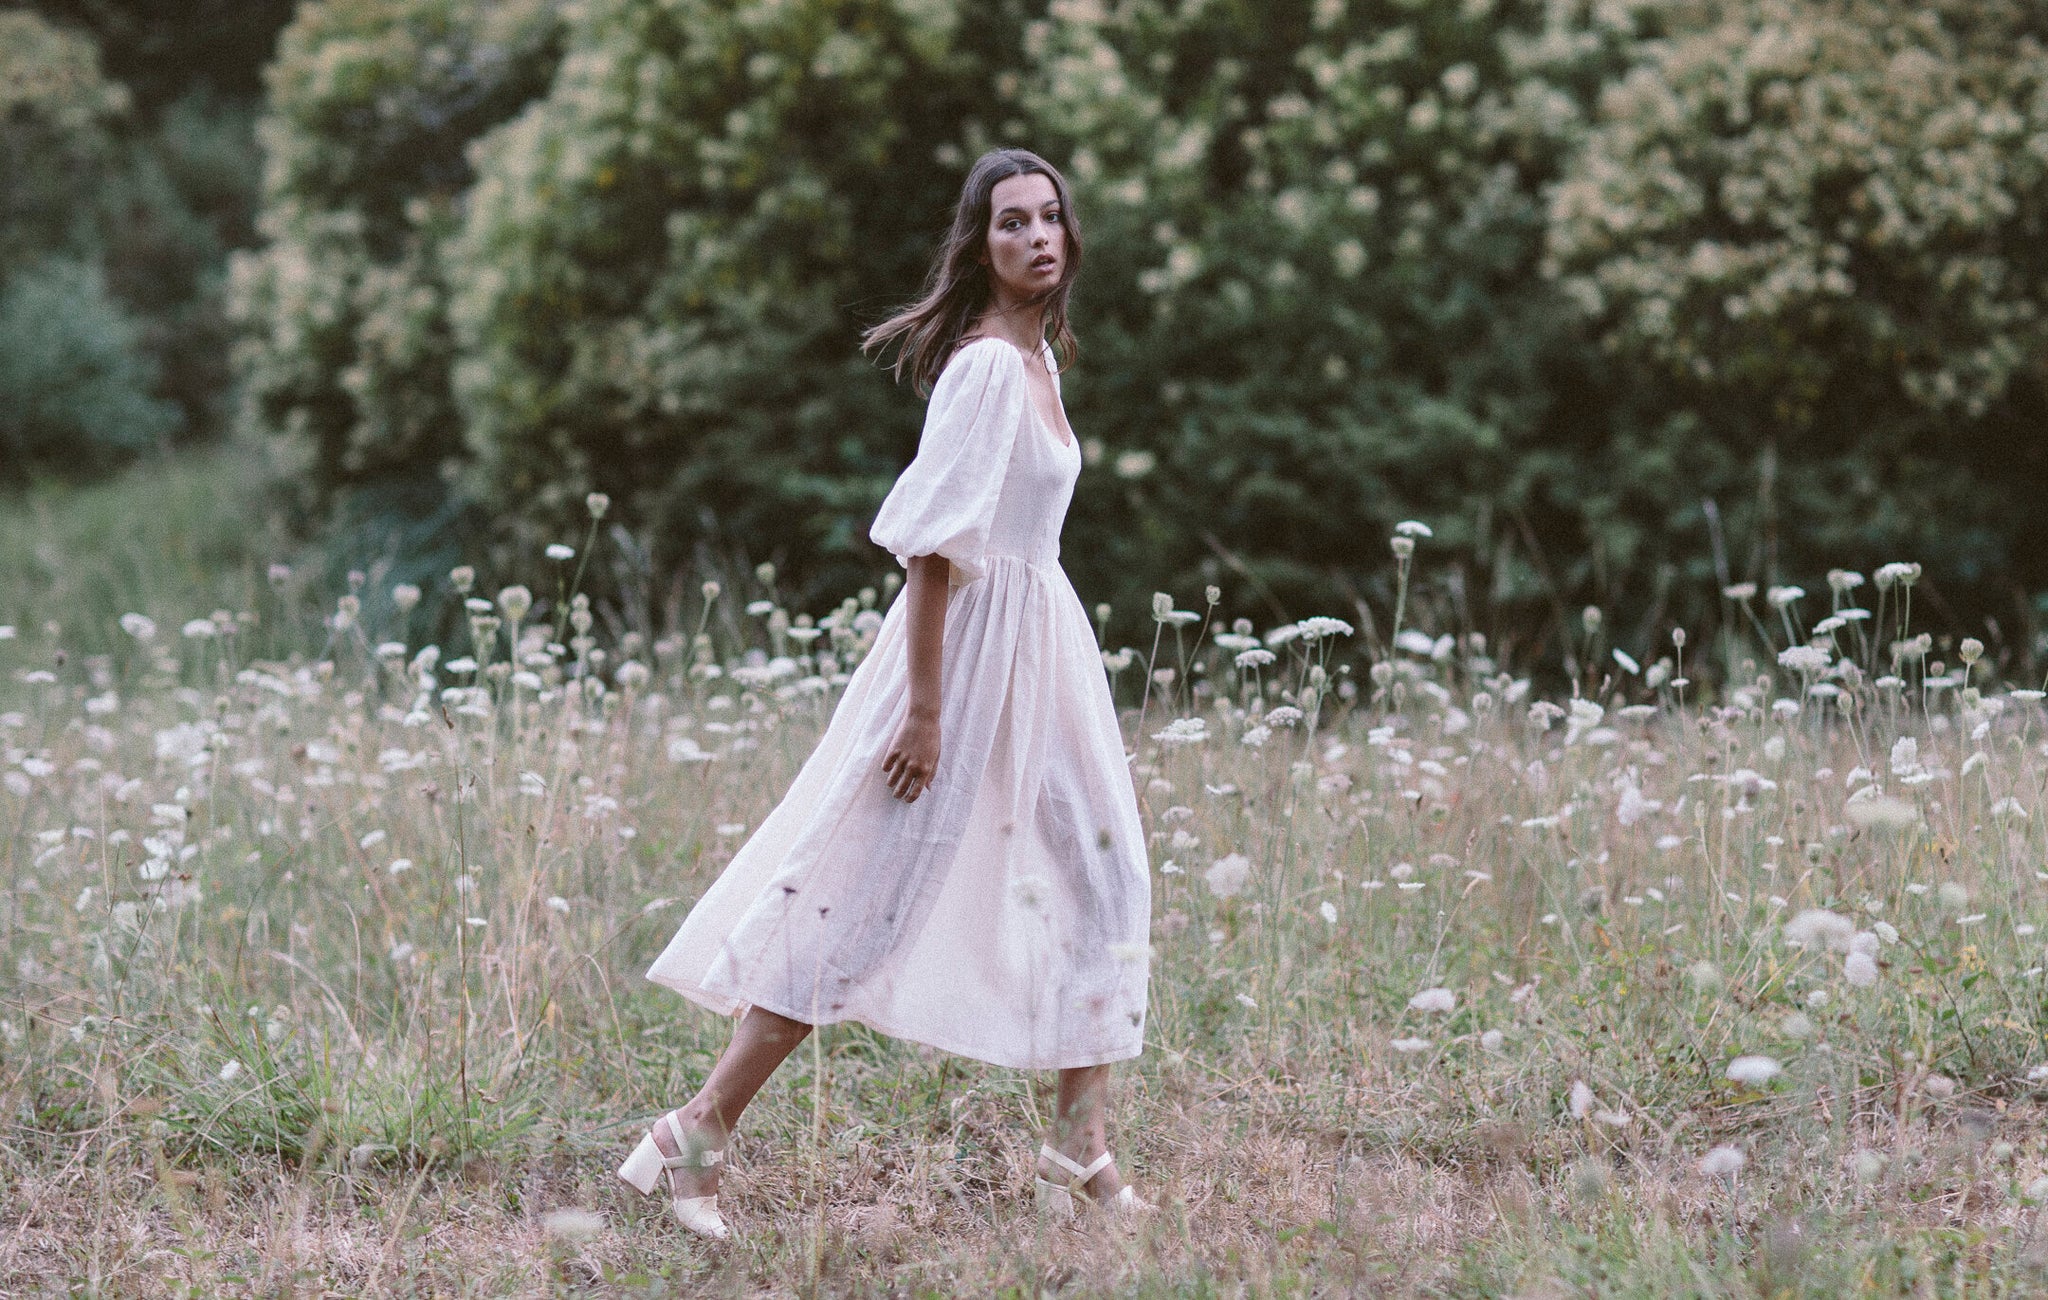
699, 1129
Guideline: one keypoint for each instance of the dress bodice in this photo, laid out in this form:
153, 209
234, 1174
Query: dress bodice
991, 478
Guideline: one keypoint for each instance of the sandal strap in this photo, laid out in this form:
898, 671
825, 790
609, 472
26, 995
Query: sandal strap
701, 1158
1073, 1167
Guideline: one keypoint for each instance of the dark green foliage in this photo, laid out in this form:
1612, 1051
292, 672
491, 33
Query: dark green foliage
1812, 237
149, 204
1317, 308
372, 107
162, 49
74, 385
667, 258
1347, 263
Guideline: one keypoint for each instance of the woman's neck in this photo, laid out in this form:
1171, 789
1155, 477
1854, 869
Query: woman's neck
1021, 323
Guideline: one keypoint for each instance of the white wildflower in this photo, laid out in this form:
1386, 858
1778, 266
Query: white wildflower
1806, 659
1183, 731
1226, 877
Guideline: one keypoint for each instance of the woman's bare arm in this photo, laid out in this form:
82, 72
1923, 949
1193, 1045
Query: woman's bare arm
913, 757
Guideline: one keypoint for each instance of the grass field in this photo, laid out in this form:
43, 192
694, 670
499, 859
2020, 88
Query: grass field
323, 955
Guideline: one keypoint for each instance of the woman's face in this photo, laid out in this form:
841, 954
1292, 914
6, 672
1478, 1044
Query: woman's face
1027, 235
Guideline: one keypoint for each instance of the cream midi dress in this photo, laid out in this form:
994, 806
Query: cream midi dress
1004, 914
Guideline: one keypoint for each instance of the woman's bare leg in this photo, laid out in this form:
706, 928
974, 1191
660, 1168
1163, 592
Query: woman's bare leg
1079, 1129
760, 1042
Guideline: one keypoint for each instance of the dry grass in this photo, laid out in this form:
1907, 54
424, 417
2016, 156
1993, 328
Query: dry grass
240, 1053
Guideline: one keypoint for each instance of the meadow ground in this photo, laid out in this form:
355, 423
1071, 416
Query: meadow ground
324, 940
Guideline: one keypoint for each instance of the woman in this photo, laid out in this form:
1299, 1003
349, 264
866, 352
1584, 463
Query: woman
960, 862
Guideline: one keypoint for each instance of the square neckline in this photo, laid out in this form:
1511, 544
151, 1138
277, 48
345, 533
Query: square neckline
1062, 443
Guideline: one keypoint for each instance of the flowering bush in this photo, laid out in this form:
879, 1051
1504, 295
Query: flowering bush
1637, 302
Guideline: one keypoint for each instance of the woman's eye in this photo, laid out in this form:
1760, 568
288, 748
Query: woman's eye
1052, 216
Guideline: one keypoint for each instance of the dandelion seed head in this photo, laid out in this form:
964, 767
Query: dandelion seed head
1722, 1162
1436, 999
1753, 1070
1579, 1101
1226, 877
1817, 927
573, 1223
1873, 811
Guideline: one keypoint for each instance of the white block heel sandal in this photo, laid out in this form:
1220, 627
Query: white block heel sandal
1059, 1199
645, 1166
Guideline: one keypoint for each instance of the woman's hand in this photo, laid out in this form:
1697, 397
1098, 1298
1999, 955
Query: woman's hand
913, 757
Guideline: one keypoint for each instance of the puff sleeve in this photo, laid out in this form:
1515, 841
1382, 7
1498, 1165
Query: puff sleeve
945, 501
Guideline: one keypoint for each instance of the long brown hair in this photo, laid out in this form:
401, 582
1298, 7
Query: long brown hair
959, 287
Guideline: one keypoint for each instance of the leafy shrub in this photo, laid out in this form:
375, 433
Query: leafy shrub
74, 385
151, 205
1348, 263
56, 111
1818, 228
1316, 311
372, 106
666, 260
